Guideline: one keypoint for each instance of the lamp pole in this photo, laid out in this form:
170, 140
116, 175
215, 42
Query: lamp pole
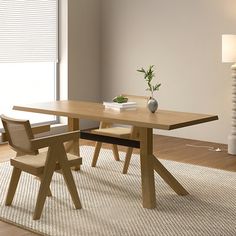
229, 56
232, 135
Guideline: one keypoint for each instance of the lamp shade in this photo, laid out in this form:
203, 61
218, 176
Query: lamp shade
228, 48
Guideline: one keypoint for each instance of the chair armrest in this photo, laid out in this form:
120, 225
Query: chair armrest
47, 141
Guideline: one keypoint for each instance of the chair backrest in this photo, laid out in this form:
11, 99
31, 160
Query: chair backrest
141, 100
19, 134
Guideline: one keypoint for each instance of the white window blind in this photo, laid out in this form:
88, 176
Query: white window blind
28, 31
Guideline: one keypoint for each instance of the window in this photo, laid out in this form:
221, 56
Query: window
29, 54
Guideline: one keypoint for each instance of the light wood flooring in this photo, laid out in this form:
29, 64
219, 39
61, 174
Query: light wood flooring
168, 148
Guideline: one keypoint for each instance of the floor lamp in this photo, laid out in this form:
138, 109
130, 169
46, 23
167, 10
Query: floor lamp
229, 56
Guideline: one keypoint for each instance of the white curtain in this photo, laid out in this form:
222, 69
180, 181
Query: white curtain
28, 31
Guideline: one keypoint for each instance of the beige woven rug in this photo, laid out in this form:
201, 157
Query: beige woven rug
112, 201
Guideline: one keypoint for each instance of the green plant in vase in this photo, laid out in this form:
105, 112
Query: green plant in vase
148, 77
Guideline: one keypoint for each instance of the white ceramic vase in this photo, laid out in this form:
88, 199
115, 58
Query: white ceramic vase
152, 104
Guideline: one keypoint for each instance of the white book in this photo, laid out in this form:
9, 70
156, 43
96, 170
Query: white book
117, 107
120, 105
120, 108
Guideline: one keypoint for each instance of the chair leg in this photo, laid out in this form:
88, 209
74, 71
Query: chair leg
68, 177
49, 193
127, 160
76, 168
13, 185
98, 146
45, 182
115, 152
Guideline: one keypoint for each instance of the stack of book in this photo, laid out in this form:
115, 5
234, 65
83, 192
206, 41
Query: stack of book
120, 106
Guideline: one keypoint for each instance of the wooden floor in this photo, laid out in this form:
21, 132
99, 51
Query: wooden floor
168, 148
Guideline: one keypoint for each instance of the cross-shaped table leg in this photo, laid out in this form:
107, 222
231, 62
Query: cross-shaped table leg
149, 163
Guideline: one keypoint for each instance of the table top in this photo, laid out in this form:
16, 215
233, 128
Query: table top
140, 117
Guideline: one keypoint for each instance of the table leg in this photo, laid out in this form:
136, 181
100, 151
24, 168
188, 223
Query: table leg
147, 172
168, 177
73, 146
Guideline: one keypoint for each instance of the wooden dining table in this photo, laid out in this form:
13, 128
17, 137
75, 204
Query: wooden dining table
142, 119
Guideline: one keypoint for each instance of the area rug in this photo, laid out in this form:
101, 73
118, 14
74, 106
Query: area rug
112, 201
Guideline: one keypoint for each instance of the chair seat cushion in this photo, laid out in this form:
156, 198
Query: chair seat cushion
34, 164
121, 132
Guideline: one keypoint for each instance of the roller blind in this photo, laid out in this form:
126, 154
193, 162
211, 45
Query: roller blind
28, 31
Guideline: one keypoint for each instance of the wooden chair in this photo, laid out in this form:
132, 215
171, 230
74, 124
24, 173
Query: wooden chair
110, 129
43, 164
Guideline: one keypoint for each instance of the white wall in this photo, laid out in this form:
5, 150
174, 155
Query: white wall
183, 39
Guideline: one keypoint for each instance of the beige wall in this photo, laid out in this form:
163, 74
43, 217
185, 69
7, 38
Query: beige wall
183, 39
84, 49
80, 51
63, 49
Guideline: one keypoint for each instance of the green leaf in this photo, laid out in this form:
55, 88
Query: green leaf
156, 87
141, 70
148, 77
120, 99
